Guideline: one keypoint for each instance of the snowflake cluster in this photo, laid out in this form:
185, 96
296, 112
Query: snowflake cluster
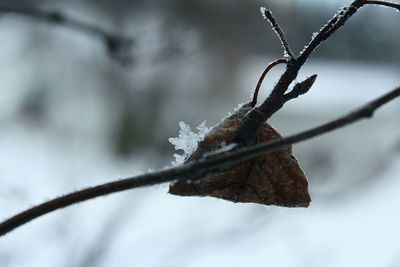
187, 141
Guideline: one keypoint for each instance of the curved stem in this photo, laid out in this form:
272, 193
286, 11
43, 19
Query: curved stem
261, 79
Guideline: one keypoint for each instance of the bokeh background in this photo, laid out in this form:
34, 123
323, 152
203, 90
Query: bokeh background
71, 117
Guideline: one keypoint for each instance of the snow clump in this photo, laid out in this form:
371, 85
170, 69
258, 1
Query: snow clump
187, 141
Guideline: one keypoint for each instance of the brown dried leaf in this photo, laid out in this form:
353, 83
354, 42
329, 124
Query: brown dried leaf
273, 179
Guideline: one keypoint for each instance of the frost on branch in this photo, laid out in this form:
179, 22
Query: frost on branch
187, 141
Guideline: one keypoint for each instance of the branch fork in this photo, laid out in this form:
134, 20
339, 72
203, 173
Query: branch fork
246, 134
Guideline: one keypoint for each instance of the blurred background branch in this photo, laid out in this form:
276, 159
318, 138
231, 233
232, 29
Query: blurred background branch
117, 46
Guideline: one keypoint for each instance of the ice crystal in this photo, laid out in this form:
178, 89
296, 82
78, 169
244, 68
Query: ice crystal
187, 141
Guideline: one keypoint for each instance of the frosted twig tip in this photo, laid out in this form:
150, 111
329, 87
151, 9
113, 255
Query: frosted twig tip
267, 14
263, 11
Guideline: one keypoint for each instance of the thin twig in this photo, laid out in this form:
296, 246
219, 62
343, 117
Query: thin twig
384, 3
338, 20
117, 46
193, 171
267, 14
261, 79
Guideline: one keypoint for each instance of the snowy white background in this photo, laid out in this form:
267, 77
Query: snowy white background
354, 172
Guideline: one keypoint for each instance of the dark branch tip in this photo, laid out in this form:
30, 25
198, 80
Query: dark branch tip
305, 85
301, 87
265, 12
310, 80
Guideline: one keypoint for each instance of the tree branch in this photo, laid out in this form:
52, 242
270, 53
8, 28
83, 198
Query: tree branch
118, 47
246, 133
193, 171
384, 3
